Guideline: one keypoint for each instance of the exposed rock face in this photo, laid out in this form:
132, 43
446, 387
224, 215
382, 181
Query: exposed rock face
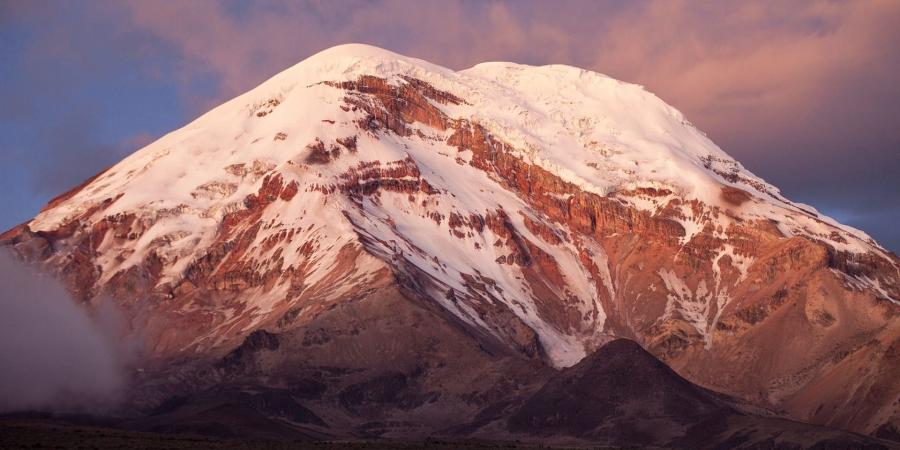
324, 188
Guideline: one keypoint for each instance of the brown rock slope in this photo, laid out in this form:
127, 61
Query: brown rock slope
397, 368
386, 366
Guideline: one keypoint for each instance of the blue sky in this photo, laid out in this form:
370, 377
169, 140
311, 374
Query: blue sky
804, 94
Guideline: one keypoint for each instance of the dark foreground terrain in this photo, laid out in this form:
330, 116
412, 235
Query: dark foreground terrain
47, 434
32, 433
618, 397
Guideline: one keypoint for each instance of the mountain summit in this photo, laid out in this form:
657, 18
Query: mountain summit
540, 211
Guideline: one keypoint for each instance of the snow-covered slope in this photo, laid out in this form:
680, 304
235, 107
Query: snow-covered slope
550, 207
599, 133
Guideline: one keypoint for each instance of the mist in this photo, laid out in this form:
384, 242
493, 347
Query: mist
54, 355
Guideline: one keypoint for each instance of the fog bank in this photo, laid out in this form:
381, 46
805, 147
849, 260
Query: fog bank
53, 354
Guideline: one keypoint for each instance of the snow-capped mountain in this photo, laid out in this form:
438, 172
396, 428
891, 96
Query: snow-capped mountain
547, 209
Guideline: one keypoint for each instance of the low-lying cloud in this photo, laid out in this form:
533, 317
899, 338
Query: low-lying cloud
54, 355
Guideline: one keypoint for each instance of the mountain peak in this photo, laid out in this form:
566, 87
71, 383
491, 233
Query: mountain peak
348, 61
355, 50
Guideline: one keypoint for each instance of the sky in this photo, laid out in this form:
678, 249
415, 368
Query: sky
805, 94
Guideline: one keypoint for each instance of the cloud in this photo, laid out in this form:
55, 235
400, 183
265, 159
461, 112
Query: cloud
53, 355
